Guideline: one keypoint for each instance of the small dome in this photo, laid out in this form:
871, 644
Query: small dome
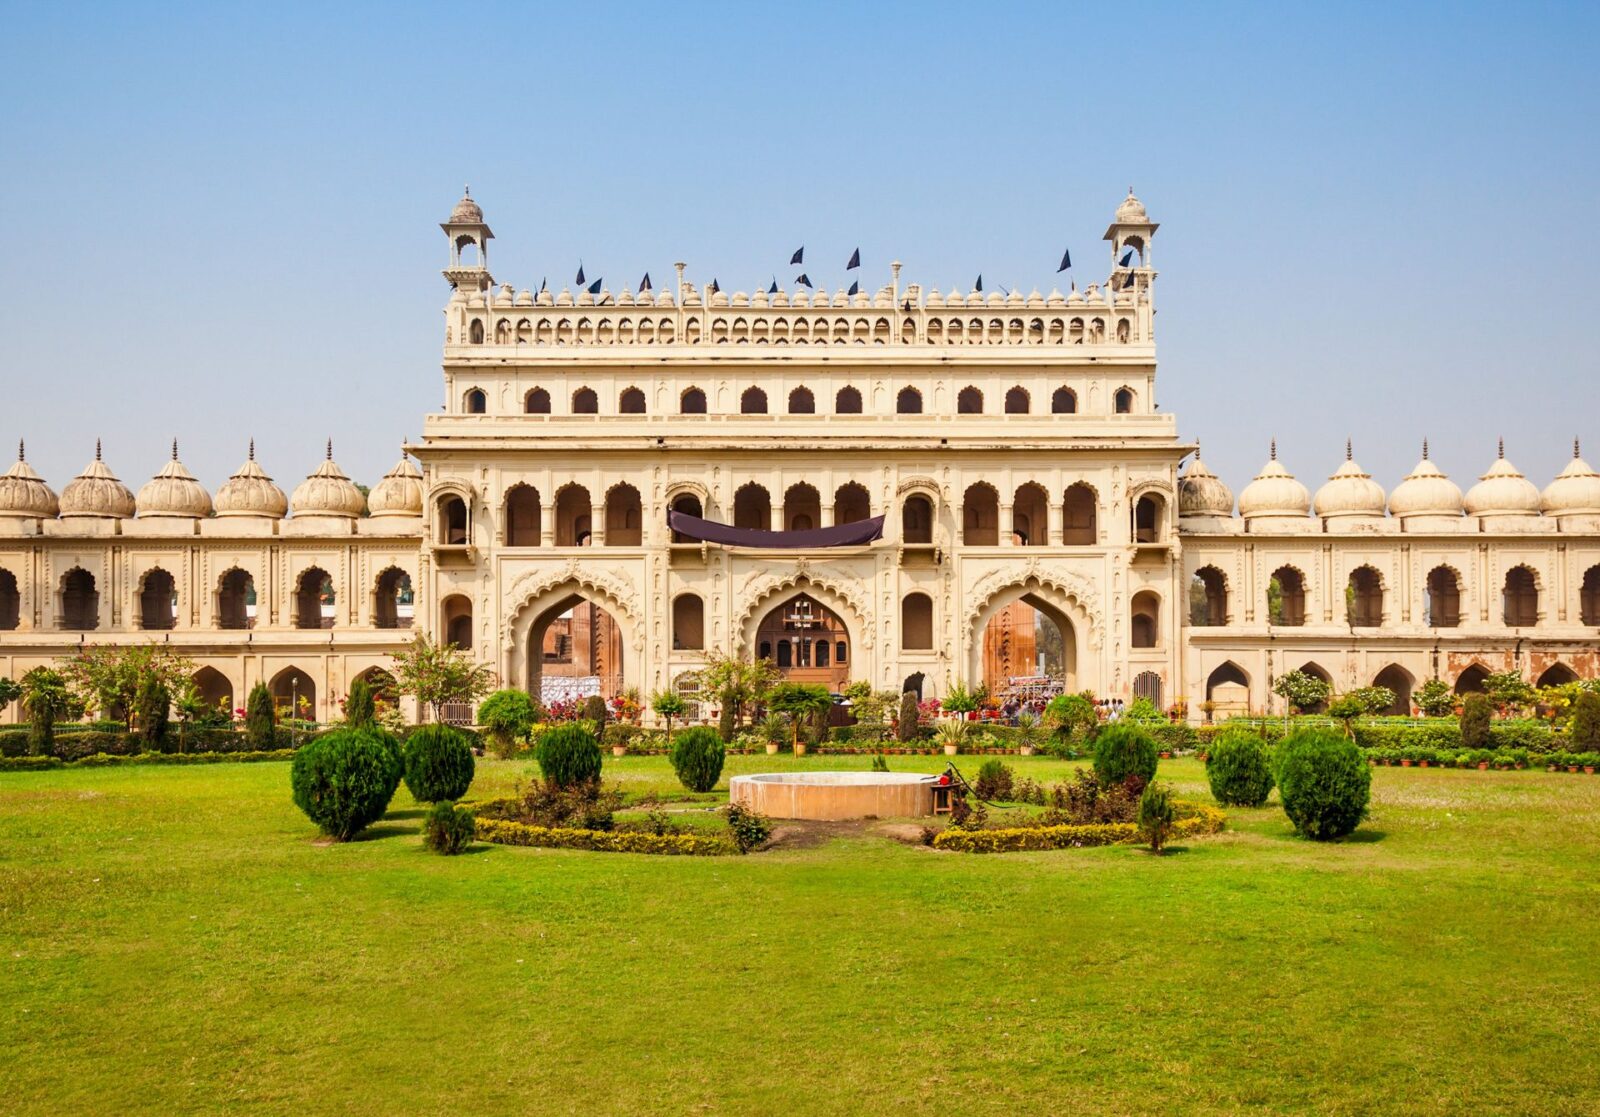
399, 493
23, 492
1202, 493
1426, 491
1574, 492
328, 492
466, 211
1274, 492
250, 492
97, 492
1351, 491
174, 493
1502, 491
1131, 211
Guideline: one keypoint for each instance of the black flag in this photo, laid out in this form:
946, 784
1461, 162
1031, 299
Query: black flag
544, 285
1066, 260
773, 290
855, 288
1126, 283
978, 286
855, 260
1127, 258
581, 280
804, 279
594, 288
714, 288
644, 284
799, 256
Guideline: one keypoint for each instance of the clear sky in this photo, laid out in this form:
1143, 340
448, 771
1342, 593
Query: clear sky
1377, 221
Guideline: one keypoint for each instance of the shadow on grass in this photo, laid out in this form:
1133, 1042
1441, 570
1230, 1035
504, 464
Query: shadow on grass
418, 813
1361, 836
379, 831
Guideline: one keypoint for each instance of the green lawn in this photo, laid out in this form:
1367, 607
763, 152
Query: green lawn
174, 941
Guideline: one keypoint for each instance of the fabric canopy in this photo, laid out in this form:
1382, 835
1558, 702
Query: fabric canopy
844, 535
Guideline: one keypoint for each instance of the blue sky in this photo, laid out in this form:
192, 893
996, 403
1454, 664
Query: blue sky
1377, 221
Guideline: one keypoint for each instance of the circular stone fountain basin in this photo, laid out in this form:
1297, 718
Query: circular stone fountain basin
835, 796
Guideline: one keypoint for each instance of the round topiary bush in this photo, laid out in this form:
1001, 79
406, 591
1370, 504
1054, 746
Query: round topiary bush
1324, 782
448, 828
1237, 768
439, 764
1476, 720
569, 756
343, 781
697, 756
1122, 750
507, 715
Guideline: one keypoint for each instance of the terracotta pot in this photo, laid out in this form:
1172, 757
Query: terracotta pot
1483, 765
951, 750
1588, 769
1422, 764
799, 749
1026, 750
1404, 763
772, 749
1166, 756
619, 750
1572, 767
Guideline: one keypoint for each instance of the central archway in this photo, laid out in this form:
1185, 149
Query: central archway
573, 640
806, 641
1047, 605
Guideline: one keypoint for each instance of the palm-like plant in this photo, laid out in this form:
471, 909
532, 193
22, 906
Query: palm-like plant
952, 732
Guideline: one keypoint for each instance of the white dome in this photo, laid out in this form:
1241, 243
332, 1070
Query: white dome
1502, 491
1574, 492
174, 493
97, 492
399, 493
1202, 493
23, 492
250, 492
1131, 211
1426, 491
1274, 492
1351, 491
328, 492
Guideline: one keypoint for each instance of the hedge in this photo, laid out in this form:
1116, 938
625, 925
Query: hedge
109, 760
605, 841
1200, 819
1381, 733
75, 742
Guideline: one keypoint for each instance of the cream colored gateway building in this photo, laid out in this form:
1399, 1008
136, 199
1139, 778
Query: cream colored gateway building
1036, 532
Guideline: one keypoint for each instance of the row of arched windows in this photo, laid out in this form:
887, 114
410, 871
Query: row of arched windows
801, 330
802, 401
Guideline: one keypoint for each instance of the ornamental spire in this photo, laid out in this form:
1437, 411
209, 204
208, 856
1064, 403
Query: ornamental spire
1575, 453
174, 449
1424, 447
1348, 455
330, 449
1274, 454
252, 449
97, 450
1501, 452
22, 450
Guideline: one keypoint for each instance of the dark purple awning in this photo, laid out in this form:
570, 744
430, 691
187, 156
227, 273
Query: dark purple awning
854, 534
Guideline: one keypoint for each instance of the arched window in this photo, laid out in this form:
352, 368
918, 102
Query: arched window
686, 504
1399, 680
214, 690
452, 522
456, 615
980, 516
80, 601
1123, 401
158, 600
847, 401
841, 652
475, 331
523, 517
969, 401
802, 402
536, 402
393, 601
236, 600
624, 517
10, 602
916, 622
574, 523
752, 508
692, 402
916, 519
908, 402
1441, 603
585, 402
1079, 527
1589, 597
785, 653
1471, 680
1017, 401
688, 622
1364, 598
1030, 516
1147, 684
851, 503
1286, 598
1229, 688
1148, 513
1146, 619
753, 402
1557, 674
477, 402
1521, 598
631, 402
1208, 598
802, 508
314, 599
1063, 401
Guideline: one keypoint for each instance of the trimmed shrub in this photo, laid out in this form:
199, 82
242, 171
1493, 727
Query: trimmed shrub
1237, 769
995, 781
438, 764
727, 724
906, 728
506, 716
594, 709
343, 781
1476, 717
1156, 815
697, 756
1122, 750
569, 756
448, 828
260, 718
360, 710
153, 702
1583, 732
1324, 782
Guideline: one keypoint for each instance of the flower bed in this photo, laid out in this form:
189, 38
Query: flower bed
1200, 819
503, 832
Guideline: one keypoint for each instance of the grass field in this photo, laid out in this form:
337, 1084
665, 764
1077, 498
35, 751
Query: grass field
173, 941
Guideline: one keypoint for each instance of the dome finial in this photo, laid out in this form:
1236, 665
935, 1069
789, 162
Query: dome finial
1500, 452
1424, 447
467, 190
252, 449
330, 449
1274, 454
1197, 449
97, 449
1348, 455
22, 450
174, 449
1575, 452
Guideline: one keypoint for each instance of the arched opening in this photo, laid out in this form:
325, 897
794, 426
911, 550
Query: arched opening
851, 503
1029, 653
1078, 517
1030, 516
1228, 689
687, 685
1399, 680
1286, 598
1521, 598
294, 694
574, 522
624, 517
980, 516
455, 616
452, 521
393, 601
688, 622
575, 650
1317, 670
382, 684
807, 642
585, 402
753, 402
802, 402
1589, 597
631, 402
915, 683
1017, 401
236, 600
80, 601
916, 519
916, 622
1147, 684
314, 599
1145, 619
692, 402
1063, 401
1364, 598
847, 401
475, 332
158, 600
969, 401
1471, 680
1557, 674
10, 602
1148, 512
536, 402
523, 516
215, 691
802, 508
1208, 598
1122, 402
752, 507
477, 403
908, 402
686, 504
1441, 601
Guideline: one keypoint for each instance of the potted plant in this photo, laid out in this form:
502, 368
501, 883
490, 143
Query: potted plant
1027, 727
952, 735
774, 731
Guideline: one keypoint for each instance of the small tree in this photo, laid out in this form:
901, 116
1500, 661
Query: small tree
739, 682
1303, 691
343, 781
1124, 749
154, 703
508, 715
1476, 717
1156, 815
807, 703
569, 756
1583, 730
438, 763
359, 707
1435, 698
1237, 768
668, 704
109, 677
1363, 700
961, 700
1508, 690
9, 693
1071, 716
727, 717
594, 709
191, 707
45, 697
906, 727
261, 719
439, 674
697, 757
1324, 782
